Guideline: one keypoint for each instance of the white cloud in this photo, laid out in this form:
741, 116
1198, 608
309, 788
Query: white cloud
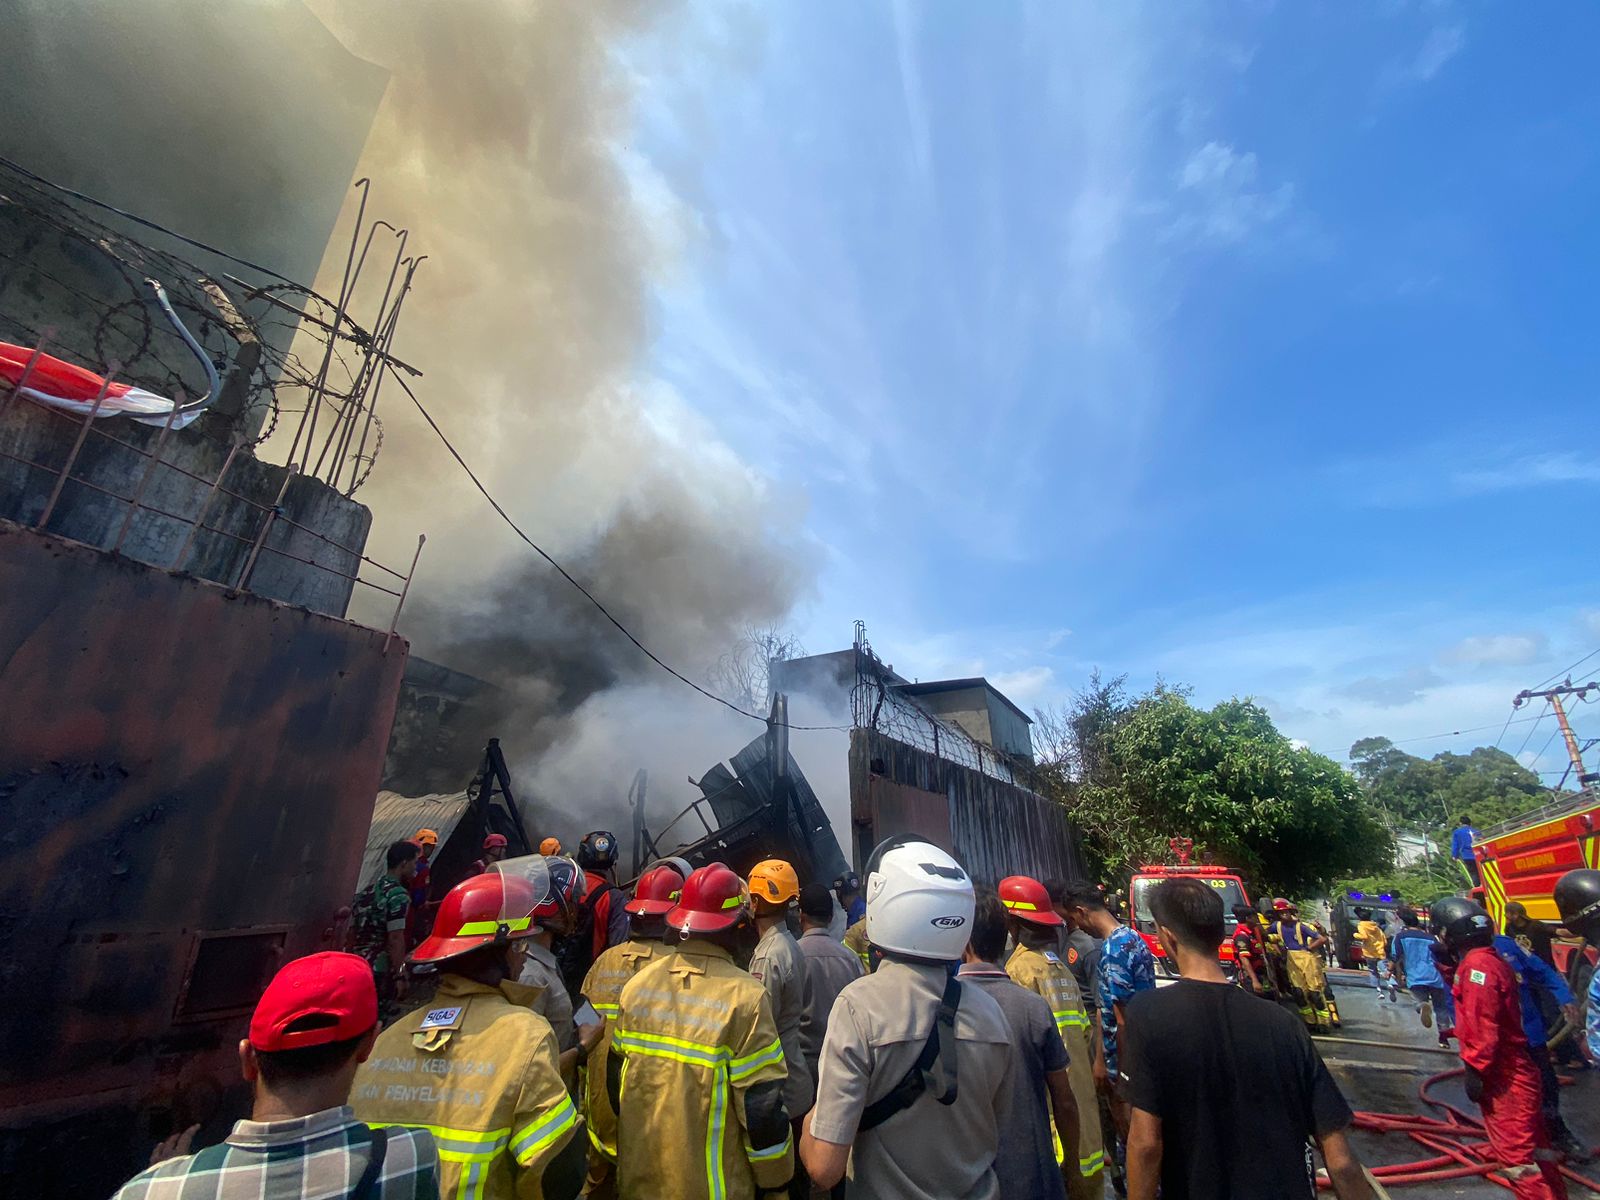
1441, 46
1027, 687
1221, 199
1501, 649
1459, 469
1392, 691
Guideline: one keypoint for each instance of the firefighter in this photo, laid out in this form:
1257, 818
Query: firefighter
696, 1071
417, 917
555, 917
1578, 898
1500, 1076
478, 1069
1307, 977
855, 938
781, 969
602, 921
654, 895
916, 1069
495, 847
1036, 928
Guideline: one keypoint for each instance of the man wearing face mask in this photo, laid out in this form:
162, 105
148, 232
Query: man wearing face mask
696, 1072
478, 1069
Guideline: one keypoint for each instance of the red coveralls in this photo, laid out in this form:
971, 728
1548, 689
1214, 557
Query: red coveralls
1489, 1029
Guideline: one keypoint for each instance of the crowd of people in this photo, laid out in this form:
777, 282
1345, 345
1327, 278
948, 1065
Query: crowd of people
707, 1034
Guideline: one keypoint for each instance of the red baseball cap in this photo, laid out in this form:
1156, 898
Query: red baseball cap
335, 988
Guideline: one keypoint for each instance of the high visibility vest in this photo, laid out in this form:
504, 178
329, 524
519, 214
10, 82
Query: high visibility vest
479, 1071
1042, 971
695, 1033
602, 987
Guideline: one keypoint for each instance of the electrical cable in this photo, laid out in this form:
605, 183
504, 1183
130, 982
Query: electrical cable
585, 592
1567, 671
1458, 732
1545, 713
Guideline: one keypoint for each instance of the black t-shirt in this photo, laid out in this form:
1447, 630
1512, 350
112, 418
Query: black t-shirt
1535, 937
1238, 1086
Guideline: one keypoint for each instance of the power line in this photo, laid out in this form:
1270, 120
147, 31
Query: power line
1529, 738
1567, 671
585, 592
1474, 729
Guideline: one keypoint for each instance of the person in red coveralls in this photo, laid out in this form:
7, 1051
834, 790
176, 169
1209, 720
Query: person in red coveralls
1500, 1076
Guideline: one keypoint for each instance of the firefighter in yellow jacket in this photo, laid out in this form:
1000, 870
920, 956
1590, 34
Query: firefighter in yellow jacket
478, 1068
653, 897
696, 1071
1034, 964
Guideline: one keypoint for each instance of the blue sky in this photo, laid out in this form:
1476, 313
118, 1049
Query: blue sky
1251, 345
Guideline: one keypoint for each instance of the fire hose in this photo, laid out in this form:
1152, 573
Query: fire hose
1458, 1144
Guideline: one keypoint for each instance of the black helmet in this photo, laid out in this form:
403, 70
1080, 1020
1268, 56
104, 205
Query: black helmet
1460, 924
1578, 898
597, 851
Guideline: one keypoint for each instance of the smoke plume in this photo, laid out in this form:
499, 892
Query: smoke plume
497, 145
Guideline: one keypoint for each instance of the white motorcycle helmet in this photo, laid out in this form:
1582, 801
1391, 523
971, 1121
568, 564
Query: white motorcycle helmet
919, 901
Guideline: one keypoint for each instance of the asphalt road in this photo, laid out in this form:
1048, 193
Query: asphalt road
1384, 1077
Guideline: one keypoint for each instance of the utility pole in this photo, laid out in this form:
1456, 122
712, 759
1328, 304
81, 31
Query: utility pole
1554, 696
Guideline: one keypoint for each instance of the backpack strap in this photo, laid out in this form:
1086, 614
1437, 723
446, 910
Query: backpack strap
366, 1186
934, 1070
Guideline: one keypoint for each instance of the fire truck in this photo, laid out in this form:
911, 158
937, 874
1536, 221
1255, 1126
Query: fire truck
1228, 883
1521, 860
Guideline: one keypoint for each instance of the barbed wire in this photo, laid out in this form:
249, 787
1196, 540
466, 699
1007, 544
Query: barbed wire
72, 276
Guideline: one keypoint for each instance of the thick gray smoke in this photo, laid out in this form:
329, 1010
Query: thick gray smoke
497, 145
496, 142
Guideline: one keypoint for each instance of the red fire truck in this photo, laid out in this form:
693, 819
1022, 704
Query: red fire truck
1228, 883
1521, 860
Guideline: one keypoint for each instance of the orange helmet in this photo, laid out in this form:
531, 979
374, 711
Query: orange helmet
425, 837
550, 846
656, 892
774, 881
485, 910
1026, 899
713, 900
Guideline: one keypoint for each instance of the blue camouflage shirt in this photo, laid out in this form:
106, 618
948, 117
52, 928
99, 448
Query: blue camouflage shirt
1126, 968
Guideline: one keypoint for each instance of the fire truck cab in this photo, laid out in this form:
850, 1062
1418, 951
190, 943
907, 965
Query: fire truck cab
1228, 883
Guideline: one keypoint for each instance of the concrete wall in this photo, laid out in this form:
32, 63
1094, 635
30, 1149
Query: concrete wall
85, 514
187, 779
443, 720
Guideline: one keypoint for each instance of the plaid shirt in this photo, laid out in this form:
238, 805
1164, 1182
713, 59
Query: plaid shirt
319, 1157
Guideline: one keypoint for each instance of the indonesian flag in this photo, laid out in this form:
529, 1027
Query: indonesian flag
65, 385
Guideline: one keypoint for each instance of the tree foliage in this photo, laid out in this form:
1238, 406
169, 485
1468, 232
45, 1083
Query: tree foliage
742, 674
1136, 772
1486, 786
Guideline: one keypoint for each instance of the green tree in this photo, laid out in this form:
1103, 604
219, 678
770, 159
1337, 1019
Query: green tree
1135, 774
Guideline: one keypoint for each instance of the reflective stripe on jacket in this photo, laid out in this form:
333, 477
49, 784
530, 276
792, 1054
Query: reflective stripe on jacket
695, 1033
602, 986
1044, 972
479, 1071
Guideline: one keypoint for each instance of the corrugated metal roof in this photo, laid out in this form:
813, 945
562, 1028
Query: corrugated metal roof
396, 816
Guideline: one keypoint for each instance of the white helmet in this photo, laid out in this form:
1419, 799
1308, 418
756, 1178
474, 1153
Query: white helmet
919, 901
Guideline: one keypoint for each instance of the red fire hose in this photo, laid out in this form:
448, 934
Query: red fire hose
1457, 1141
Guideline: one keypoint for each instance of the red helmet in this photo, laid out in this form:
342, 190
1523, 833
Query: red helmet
495, 841
656, 892
1026, 899
482, 911
713, 899
559, 907
1282, 905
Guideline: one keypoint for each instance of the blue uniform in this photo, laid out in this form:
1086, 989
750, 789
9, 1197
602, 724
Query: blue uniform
1412, 949
1593, 1031
1126, 968
1531, 972
1461, 842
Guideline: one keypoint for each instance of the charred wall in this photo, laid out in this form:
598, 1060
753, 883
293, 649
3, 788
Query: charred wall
187, 779
992, 827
